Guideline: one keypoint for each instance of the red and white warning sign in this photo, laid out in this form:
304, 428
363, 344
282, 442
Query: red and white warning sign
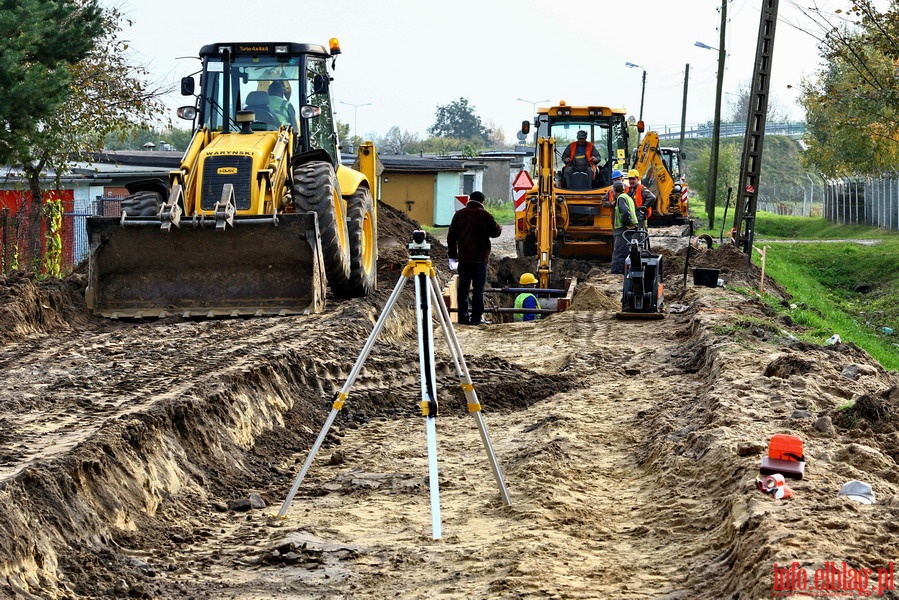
522, 184
461, 202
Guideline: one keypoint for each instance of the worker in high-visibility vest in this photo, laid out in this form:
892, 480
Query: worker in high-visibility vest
581, 156
624, 217
642, 195
526, 299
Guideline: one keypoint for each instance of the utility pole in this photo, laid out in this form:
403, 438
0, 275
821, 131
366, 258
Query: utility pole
716, 129
754, 140
683, 117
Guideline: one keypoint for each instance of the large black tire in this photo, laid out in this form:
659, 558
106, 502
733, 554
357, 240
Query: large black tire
363, 234
315, 190
142, 204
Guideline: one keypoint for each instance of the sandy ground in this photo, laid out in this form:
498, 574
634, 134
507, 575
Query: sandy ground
149, 459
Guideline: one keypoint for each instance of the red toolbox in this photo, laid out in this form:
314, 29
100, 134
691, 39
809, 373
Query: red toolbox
785, 456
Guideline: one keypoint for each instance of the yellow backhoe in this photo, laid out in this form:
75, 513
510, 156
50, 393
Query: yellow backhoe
260, 215
563, 215
661, 170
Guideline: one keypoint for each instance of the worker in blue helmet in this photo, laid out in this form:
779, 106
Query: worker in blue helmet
617, 175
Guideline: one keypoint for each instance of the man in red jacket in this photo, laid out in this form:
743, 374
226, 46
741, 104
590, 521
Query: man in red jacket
468, 246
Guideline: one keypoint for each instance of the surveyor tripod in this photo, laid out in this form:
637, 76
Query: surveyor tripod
427, 293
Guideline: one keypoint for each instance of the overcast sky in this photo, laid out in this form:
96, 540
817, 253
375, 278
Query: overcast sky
406, 57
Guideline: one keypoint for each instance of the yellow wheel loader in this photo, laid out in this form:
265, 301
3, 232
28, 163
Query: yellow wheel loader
260, 215
565, 214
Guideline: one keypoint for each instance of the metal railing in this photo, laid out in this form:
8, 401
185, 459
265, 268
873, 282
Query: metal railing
705, 130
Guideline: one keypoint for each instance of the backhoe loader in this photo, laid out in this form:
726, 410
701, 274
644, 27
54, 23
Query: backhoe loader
564, 214
260, 214
662, 172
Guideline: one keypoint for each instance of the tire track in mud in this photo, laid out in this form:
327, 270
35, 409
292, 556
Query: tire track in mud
572, 469
604, 430
63, 391
163, 403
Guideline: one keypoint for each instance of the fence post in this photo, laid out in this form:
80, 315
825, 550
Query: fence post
894, 206
4, 219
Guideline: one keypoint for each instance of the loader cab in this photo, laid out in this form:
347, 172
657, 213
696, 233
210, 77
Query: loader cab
673, 158
284, 85
606, 130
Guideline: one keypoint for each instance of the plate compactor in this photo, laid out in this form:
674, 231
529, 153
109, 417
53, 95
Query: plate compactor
643, 291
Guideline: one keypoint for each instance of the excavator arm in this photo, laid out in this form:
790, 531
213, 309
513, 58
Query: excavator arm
653, 170
546, 215
671, 199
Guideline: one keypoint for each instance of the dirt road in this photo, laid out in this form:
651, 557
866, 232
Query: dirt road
148, 460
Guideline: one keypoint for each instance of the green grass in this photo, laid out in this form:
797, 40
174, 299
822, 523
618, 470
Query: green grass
824, 277
503, 212
838, 287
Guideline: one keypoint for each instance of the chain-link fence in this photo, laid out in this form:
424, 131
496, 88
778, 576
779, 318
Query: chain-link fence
863, 201
15, 232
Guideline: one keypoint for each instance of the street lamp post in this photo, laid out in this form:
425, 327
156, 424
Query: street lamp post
356, 115
716, 129
642, 93
533, 104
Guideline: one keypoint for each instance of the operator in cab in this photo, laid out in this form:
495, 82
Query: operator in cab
278, 101
580, 157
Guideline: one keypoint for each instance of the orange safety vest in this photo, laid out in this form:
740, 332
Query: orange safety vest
590, 160
638, 198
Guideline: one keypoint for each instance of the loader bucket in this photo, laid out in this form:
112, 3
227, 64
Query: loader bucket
260, 266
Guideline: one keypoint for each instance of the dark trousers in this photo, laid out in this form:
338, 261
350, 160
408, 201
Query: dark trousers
619, 251
472, 276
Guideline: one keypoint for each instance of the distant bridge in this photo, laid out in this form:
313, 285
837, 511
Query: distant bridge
672, 132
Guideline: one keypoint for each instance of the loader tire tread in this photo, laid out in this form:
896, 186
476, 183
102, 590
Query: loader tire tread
362, 230
315, 189
142, 204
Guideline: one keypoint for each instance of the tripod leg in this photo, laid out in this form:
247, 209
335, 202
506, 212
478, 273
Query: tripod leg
341, 396
429, 408
471, 396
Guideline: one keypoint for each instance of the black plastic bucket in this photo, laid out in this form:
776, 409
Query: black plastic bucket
706, 277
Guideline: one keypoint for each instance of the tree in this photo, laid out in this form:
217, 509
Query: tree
343, 132
852, 104
42, 39
102, 94
497, 137
134, 138
739, 105
398, 142
442, 145
458, 120
728, 172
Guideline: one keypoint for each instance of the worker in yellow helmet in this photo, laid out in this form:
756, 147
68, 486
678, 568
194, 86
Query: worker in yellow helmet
526, 299
642, 195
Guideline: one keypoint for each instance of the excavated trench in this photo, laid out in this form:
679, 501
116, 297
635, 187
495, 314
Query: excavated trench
137, 457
